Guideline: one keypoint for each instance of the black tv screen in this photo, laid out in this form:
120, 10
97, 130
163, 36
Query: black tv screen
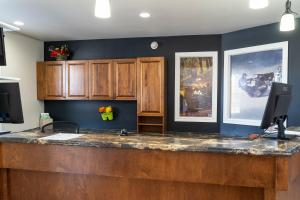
2, 49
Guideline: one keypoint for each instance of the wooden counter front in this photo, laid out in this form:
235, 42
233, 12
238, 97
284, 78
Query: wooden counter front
56, 172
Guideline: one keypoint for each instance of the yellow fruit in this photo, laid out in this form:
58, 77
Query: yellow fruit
108, 109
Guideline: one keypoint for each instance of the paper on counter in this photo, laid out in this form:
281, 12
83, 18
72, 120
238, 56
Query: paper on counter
61, 136
288, 132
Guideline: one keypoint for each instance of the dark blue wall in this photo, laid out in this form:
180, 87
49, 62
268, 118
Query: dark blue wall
85, 112
264, 35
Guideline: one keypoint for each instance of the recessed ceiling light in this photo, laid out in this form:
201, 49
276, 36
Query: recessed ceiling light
145, 15
102, 9
18, 23
258, 4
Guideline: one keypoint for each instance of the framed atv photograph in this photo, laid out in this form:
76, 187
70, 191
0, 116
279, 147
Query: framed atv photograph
248, 76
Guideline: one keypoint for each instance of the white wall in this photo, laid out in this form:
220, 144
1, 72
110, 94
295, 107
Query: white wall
22, 53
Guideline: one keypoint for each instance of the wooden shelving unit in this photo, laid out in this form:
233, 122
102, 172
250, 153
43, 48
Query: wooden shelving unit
151, 95
153, 124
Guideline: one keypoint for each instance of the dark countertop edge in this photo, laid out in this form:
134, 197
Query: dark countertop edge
127, 146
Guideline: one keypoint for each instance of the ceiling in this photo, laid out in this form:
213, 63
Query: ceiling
50, 20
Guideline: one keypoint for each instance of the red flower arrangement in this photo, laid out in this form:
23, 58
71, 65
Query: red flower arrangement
61, 53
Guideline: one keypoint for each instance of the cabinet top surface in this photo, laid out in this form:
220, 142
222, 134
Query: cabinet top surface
212, 143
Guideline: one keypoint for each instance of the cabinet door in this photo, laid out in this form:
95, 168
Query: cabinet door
54, 80
150, 90
101, 79
40, 76
125, 79
77, 80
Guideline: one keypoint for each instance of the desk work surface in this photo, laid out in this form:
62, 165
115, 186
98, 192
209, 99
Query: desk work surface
172, 141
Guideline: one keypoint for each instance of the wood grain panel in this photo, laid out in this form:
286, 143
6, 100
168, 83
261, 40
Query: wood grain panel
4, 187
150, 86
35, 171
290, 171
77, 80
270, 194
209, 168
55, 80
294, 166
40, 77
101, 79
125, 79
293, 192
27, 185
282, 170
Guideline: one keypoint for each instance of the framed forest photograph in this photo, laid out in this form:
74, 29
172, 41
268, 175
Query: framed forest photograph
196, 85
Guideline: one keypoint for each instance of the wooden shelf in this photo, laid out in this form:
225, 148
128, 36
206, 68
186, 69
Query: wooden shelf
150, 129
149, 124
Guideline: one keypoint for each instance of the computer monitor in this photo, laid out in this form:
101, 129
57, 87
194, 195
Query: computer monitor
276, 111
10, 104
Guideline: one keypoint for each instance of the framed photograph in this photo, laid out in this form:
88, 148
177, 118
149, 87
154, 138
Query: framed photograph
248, 76
196, 85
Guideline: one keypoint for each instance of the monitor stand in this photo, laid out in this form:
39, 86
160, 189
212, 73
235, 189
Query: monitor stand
280, 135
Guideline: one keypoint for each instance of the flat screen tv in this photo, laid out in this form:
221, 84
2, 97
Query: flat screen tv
2, 49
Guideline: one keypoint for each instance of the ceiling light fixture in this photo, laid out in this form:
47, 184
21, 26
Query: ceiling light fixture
102, 9
258, 4
18, 23
145, 15
9, 27
287, 22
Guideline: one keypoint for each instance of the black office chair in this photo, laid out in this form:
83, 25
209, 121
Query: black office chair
61, 127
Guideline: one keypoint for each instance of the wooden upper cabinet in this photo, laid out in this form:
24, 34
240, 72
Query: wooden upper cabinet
53, 74
150, 88
40, 71
139, 79
101, 79
77, 76
125, 79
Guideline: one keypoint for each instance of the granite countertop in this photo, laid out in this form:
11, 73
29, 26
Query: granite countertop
169, 142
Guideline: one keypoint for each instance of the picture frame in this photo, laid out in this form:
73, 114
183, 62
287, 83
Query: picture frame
247, 81
196, 97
